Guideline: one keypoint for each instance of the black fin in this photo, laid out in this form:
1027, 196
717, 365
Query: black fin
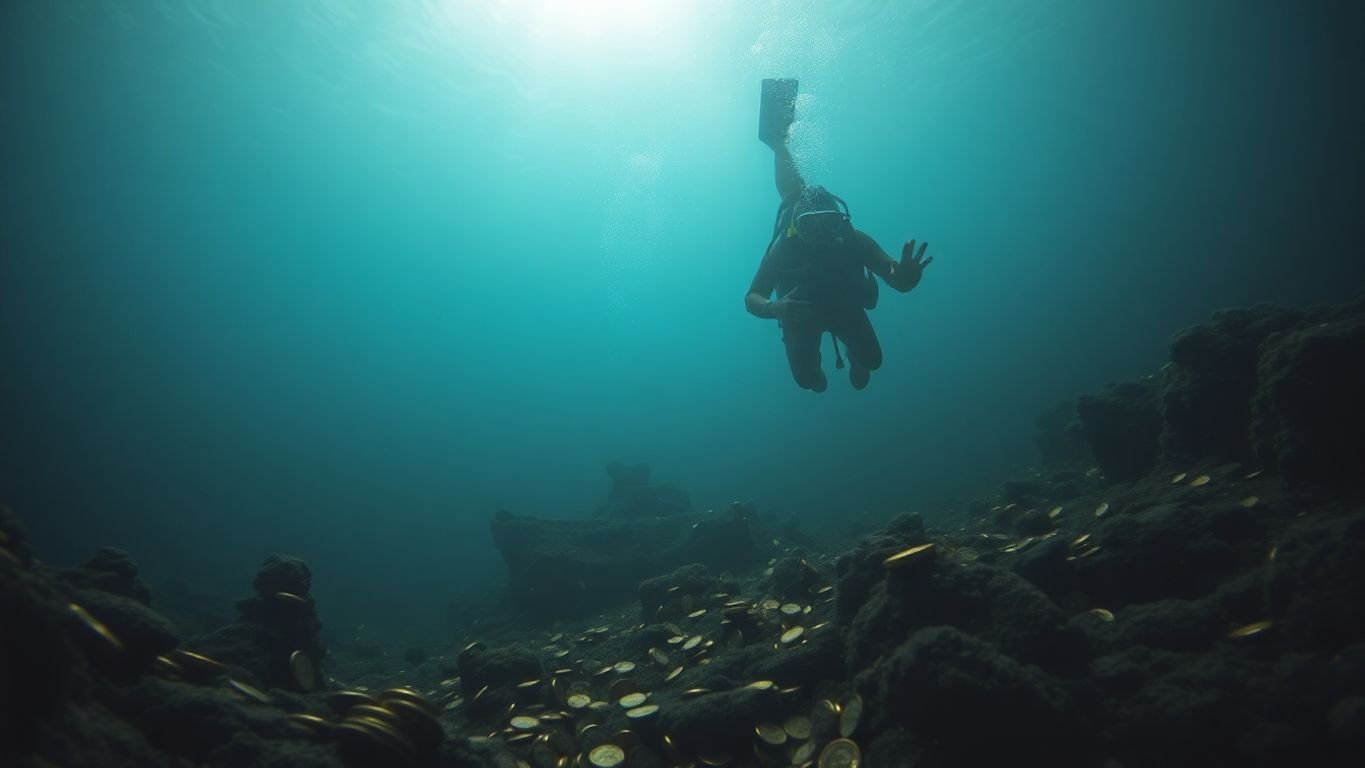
776, 110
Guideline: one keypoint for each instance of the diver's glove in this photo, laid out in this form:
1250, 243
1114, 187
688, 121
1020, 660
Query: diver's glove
908, 271
789, 307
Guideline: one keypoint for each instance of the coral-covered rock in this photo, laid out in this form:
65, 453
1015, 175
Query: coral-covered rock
944, 684
1122, 427
1206, 402
1308, 413
563, 568
280, 573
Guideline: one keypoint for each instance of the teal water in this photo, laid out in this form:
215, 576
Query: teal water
342, 278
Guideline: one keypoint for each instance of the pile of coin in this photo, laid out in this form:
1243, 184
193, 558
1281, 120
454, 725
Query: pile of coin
394, 728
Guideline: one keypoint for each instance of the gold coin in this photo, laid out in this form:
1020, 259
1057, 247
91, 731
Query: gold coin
301, 668
312, 723
907, 556
658, 657
1251, 475
760, 685
1101, 509
690, 692
641, 712
165, 667
98, 627
840, 753
1249, 502
1177, 478
849, 715
1270, 556
769, 604
632, 700
792, 635
525, 684
1201, 480
1088, 552
404, 693
692, 642
1092, 471
524, 722
623, 667
1254, 628
291, 598
798, 727
697, 613
418, 721
1054, 513
606, 756
376, 712
1079, 540
790, 609
770, 733
671, 676
249, 691
342, 701
579, 700
803, 754
1104, 614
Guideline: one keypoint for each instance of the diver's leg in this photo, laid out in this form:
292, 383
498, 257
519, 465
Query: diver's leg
788, 178
860, 342
803, 354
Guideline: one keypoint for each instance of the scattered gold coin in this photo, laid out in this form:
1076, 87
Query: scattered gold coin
1104, 614
790, 609
1254, 628
798, 727
524, 722
1201, 480
1249, 502
249, 691
697, 613
301, 668
578, 700
849, 715
1101, 509
1177, 478
1251, 475
641, 712
1079, 540
771, 734
98, 627
692, 642
840, 753
760, 685
632, 700
792, 635
907, 556
1054, 513
658, 657
606, 756
291, 598
671, 676
622, 667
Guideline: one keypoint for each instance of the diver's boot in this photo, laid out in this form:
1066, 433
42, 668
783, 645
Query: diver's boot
858, 376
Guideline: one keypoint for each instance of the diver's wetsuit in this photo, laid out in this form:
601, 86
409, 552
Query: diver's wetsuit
832, 280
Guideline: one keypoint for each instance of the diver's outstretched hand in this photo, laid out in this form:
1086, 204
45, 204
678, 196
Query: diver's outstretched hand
910, 268
791, 308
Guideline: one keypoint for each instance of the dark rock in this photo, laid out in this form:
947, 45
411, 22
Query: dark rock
12, 538
820, 658
1122, 427
977, 509
633, 496
793, 579
192, 722
943, 683
859, 571
992, 603
1059, 440
1033, 522
561, 568
1308, 415
498, 669
676, 594
1316, 582
719, 721
1024, 492
145, 634
1206, 405
108, 570
280, 573
1169, 550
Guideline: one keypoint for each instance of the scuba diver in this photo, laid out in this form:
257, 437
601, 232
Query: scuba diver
823, 270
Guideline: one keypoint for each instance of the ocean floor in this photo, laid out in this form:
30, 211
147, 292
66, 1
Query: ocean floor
1182, 583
